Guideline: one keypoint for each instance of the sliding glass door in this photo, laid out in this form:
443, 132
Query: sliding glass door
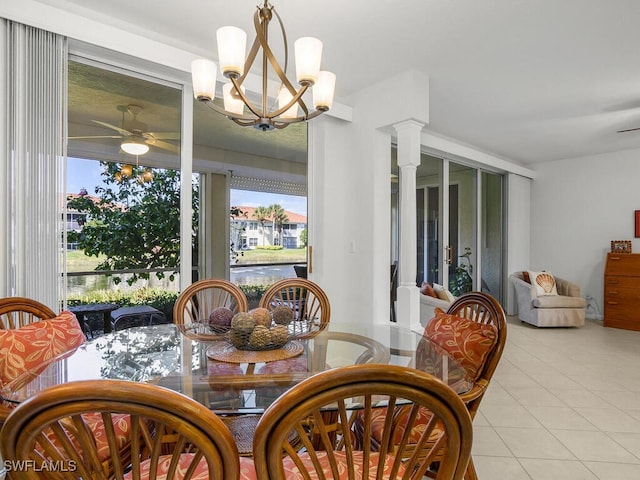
459, 226
491, 233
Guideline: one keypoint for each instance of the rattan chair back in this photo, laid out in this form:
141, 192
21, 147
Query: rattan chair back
308, 301
321, 411
170, 434
16, 312
482, 308
198, 300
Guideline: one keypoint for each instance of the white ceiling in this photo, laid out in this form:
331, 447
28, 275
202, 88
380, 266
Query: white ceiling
528, 80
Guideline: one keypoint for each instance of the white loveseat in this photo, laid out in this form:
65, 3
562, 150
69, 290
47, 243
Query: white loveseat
428, 305
567, 309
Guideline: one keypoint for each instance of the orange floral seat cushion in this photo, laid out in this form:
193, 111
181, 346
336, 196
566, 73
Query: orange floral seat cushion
121, 426
466, 341
24, 349
378, 416
292, 472
201, 472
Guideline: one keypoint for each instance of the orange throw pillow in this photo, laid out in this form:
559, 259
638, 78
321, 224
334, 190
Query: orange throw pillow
466, 341
23, 349
427, 289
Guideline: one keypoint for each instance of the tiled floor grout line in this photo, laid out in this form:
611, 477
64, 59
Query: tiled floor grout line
576, 356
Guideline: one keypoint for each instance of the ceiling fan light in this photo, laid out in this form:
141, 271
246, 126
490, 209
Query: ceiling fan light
233, 104
284, 97
232, 43
323, 90
134, 147
308, 57
203, 78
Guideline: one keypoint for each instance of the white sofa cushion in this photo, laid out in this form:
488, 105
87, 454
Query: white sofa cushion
558, 301
428, 305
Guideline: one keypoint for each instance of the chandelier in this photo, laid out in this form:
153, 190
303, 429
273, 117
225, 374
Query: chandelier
290, 107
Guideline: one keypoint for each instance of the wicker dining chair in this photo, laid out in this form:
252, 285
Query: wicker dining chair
344, 391
483, 309
174, 436
16, 312
309, 303
199, 299
243, 426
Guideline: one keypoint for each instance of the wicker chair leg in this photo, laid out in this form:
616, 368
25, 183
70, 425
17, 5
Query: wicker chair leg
470, 473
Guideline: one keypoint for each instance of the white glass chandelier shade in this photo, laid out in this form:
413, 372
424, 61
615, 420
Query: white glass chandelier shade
284, 97
323, 90
203, 75
232, 44
133, 146
233, 104
308, 51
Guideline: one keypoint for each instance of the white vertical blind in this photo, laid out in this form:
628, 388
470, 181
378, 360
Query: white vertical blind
33, 162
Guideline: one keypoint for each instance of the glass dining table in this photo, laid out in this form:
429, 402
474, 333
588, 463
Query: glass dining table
234, 382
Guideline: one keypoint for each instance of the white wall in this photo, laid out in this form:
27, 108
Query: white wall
349, 201
577, 207
518, 206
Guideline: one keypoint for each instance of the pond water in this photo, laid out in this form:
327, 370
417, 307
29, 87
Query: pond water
260, 275
249, 275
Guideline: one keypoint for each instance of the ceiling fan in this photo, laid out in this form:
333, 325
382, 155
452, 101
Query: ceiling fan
135, 137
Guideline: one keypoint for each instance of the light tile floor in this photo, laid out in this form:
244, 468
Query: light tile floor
563, 404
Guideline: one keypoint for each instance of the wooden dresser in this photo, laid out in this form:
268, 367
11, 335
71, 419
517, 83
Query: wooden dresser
622, 291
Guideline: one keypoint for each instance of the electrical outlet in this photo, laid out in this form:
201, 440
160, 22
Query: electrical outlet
591, 310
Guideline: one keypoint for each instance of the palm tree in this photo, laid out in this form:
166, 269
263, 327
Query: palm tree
278, 217
262, 214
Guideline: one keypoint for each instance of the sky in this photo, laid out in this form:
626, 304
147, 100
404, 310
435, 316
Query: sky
86, 174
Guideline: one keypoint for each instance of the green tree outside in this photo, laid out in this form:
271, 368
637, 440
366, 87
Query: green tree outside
262, 214
134, 223
278, 217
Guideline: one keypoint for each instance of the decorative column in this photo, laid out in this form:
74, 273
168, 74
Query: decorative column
408, 303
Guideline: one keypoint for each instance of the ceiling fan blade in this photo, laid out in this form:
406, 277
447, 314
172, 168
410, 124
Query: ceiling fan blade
162, 135
164, 145
95, 136
121, 131
628, 130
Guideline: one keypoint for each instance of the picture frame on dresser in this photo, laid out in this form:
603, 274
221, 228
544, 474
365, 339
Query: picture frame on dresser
620, 246
637, 223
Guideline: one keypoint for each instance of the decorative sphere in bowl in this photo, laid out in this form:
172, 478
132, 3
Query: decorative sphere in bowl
250, 331
243, 323
283, 315
260, 338
279, 335
262, 316
220, 317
